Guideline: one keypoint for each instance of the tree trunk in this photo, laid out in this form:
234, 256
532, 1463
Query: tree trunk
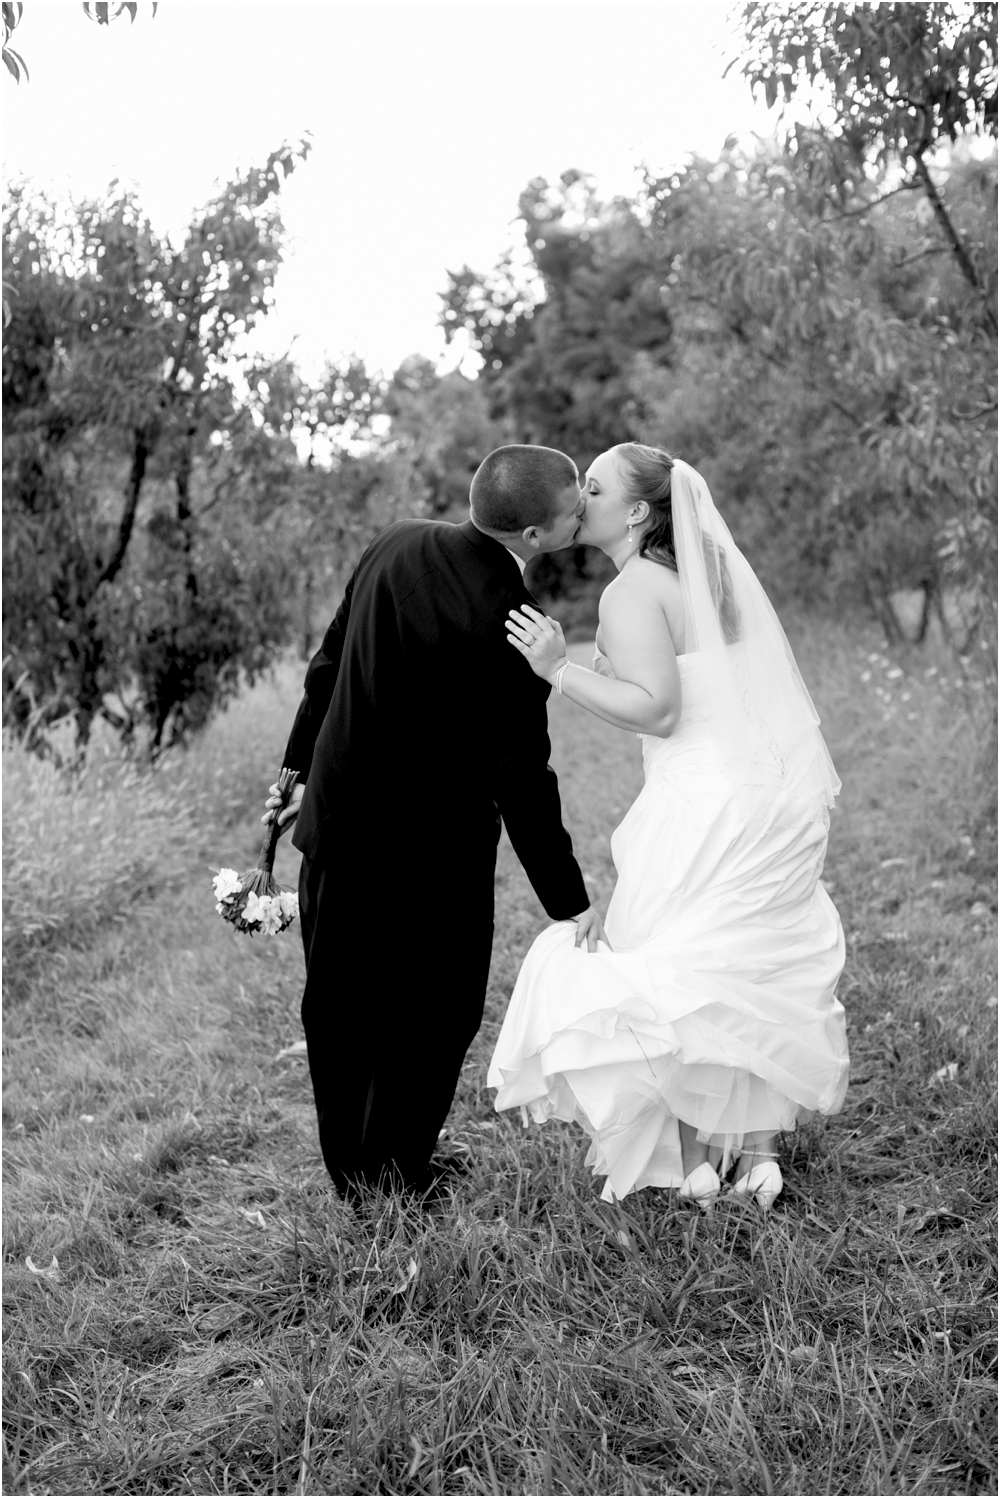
185, 519
878, 598
925, 613
112, 567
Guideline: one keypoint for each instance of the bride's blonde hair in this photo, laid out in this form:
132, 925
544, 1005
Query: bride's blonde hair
647, 476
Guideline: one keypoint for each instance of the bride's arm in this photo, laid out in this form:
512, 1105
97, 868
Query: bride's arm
644, 695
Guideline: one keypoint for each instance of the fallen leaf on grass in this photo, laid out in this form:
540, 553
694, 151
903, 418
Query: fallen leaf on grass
945, 1073
418, 1456
892, 863
297, 1048
257, 1218
939, 1218
410, 1274
52, 1273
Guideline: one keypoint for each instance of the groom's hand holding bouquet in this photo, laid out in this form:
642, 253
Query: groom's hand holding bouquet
254, 902
283, 809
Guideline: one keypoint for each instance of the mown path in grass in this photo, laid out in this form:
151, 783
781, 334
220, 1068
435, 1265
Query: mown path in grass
215, 1321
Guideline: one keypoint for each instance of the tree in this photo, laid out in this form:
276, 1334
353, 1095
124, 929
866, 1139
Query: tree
816, 373
898, 80
558, 342
561, 340
118, 385
440, 430
901, 87
346, 484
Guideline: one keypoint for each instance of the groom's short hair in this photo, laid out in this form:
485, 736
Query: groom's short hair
518, 486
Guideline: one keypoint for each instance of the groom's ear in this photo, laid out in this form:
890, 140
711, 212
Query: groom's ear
530, 536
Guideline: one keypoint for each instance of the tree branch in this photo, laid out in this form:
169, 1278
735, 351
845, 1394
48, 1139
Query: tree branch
784, 365
113, 565
951, 234
866, 207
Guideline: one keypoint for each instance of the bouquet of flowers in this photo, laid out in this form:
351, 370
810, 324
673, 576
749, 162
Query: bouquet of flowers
254, 901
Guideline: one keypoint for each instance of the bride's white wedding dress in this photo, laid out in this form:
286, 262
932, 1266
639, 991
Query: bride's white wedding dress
717, 1003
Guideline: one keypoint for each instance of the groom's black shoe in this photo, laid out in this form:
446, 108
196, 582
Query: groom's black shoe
431, 1187
450, 1167
443, 1174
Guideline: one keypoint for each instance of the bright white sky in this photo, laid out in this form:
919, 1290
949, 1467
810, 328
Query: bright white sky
428, 118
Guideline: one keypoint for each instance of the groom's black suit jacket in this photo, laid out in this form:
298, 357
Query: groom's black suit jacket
421, 726
419, 729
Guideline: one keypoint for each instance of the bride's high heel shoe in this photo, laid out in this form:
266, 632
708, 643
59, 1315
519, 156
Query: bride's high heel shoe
701, 1186
763, 1182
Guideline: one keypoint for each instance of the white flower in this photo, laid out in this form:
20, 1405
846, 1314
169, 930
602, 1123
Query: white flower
226, 884
289, 903
253, 914
270, 912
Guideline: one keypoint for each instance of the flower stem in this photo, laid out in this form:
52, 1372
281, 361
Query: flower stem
286, 784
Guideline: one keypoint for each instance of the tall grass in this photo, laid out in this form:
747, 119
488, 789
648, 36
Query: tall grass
216, 1321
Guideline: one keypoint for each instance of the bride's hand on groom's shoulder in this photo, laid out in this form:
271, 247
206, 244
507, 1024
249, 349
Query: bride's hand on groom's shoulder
291, 811
539, 639
590, 929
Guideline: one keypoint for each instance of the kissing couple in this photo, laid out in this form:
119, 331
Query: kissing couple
700, 1019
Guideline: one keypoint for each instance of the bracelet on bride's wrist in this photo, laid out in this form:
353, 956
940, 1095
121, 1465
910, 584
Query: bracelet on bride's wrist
559, 676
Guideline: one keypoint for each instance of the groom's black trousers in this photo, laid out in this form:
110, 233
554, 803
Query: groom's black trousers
418, 730
393, 999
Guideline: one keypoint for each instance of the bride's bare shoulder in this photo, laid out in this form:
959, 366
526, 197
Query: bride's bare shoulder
644, 596
642, 577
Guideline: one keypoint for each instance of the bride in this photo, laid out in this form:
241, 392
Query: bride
710, 1022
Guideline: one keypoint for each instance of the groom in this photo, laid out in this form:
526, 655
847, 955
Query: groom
420, 729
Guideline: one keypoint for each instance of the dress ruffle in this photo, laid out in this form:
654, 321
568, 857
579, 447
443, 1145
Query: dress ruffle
717, 1003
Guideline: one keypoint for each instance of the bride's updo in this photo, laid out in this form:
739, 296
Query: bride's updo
646, 471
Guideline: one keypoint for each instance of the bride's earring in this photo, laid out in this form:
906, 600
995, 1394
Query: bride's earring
630, 535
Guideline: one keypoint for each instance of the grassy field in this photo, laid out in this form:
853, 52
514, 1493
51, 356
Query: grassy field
189, 1308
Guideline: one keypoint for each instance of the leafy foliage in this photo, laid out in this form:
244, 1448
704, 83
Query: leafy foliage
119, 393
899, 77
900, 81
558, 346
15, 64
102, 13
440, 430
801, 321
812, 324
